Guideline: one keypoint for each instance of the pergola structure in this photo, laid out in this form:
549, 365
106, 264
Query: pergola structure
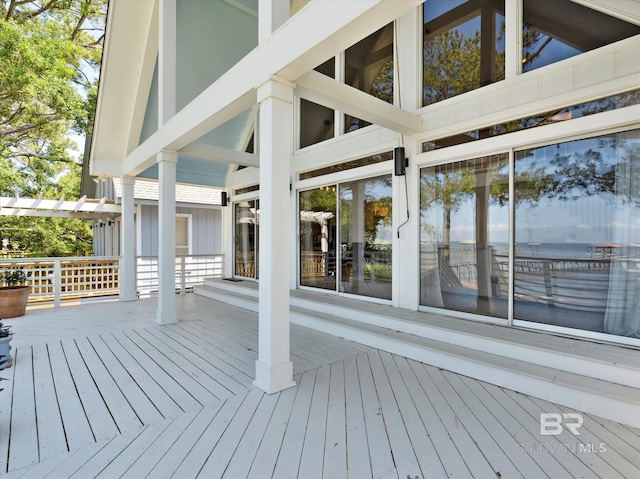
84, 208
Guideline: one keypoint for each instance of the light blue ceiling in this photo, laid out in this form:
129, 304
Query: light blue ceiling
212, 36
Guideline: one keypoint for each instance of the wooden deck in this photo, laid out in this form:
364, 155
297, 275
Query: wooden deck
139, 400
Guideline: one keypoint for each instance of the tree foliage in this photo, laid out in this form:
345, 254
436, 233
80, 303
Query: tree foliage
50, 52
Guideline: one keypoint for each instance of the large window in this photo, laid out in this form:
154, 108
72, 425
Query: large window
558, 29
345, 237
576, 235
463, 47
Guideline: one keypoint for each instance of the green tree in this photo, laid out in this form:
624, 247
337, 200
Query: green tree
49, 57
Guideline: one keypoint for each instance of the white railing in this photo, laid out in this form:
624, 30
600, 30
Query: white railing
190, 271
54, 280
58, 279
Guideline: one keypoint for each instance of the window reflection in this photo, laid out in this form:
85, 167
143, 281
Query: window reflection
558, 29
365, 237
317, 121
361, 264
318, 211
246, 216
577, 234
464, 234
369, 67
463, 47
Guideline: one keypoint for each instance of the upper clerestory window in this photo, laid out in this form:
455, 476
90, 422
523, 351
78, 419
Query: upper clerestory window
555, 30
463, 47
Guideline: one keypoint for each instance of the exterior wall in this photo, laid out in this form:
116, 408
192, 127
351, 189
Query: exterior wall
596, 74
206, 233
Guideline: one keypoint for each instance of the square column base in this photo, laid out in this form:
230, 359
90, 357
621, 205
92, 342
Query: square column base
272, 379
164, 317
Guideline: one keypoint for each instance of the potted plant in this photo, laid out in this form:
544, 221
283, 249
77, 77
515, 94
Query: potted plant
5, 347
14, 294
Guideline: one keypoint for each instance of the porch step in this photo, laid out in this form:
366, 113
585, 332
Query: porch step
528, 362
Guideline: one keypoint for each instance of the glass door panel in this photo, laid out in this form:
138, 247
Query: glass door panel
318, 212
246, 238
464, 234
577, 232
365, 237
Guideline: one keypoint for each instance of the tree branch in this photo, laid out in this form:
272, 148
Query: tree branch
30, 126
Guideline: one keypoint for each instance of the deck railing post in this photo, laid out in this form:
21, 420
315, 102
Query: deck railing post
57, 282
183, 275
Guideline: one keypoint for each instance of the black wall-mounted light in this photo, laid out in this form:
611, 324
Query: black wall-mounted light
400, 162
224, 199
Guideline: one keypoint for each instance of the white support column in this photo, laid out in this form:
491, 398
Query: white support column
271, 15
167, 61
274, 370
166, 313
128, 242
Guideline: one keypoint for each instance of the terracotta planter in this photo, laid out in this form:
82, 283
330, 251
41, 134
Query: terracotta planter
13, 301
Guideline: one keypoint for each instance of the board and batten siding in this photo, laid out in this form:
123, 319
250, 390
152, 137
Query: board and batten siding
206, 230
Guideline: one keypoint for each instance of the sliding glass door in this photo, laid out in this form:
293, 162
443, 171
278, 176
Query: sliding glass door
345, 237
563, 235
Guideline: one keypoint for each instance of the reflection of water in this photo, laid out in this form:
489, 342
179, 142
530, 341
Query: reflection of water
573, 250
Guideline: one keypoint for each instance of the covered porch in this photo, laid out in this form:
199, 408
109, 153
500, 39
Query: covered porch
106, 392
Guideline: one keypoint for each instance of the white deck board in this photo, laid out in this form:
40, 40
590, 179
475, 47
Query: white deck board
404, 455
569, 465
162, 371
77, 428
358, 459
225, 448
166, 466
289, 460
242, 371
241, 461
358, 413
266, 456
51, 435
335, 446
382, 464
23, 449
98, 415
506, 430
200, 386
207, 442
597, 463
473, 457
313, 449
162, 401
145, 410
420, 441
477, 423
449, 458
207, 372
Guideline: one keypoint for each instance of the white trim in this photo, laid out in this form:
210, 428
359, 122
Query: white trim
584, 127
575, 333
